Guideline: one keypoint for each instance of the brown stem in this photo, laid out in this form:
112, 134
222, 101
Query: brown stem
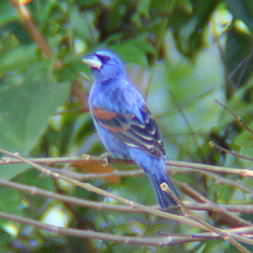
31, 28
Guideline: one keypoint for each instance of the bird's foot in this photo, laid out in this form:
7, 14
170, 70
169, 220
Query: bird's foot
106, 158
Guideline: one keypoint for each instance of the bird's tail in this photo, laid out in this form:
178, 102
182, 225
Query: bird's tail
155, 169
165, 200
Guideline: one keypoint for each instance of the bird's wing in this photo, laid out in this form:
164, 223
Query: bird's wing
130, 129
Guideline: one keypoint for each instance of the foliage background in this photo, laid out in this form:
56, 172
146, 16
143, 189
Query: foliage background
183, 54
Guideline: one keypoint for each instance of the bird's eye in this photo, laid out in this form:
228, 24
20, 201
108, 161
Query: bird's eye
103, 58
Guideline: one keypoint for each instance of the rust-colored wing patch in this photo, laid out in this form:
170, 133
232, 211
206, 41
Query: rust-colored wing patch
102, 114
113, 129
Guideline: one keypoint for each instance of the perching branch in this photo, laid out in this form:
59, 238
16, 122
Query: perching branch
91, 188
88, 159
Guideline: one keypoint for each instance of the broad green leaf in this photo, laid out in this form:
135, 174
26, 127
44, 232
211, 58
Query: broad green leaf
25, 108
18, 58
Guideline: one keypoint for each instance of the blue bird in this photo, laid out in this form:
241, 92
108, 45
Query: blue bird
124, 122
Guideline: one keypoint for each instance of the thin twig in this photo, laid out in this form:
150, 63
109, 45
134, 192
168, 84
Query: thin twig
233, 153
221, 180
211, 168
121, 208
148, 241
164, 240
87, 159
235, 116
91, 188
226, 215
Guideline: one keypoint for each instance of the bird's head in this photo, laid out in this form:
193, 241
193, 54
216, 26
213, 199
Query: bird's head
105, 65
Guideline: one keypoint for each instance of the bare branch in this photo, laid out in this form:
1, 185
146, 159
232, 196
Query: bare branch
121, 208
148, 241
230, 218
233, 153
163, 240
91, 188
235, 116
174, 165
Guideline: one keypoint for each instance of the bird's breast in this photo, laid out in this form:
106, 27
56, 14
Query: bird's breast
106, 97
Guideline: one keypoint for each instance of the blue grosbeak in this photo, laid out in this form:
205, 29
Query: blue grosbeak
124, 122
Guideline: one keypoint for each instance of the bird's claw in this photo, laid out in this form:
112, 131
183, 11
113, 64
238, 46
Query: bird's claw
106, 158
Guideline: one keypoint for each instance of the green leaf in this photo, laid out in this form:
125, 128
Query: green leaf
25, 107
244, 141
242, 10
4, 238
18, 58
34, 177
11, 201
135, 50
189, 22
8, 12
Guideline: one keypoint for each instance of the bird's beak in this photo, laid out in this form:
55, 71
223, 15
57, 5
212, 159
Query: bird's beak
92, 61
